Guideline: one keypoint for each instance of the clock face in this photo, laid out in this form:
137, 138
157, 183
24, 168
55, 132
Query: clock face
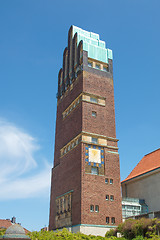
94, 155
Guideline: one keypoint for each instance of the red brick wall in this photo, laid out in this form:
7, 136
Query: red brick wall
94, 191
69, 171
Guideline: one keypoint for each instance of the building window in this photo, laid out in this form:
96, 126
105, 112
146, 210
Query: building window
91, 208
113, 220
112, 198
94, 140
94, 170
107, 220
96, 208
93, 99
107, 197
105, 68
97, 66
111, 181
106, 180
89, 64
94, 114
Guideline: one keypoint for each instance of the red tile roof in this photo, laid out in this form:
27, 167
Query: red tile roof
6, 223
148, 163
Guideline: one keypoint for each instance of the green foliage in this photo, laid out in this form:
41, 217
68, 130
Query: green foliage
111, 233
64, 234
2, 231
140, 229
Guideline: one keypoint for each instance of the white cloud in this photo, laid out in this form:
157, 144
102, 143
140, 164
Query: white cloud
18, 161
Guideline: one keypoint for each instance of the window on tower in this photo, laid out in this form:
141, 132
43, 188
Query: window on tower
96, 208
105, 68
91, 208
112, 198
89, 64
107, 220
107, 197
93, 99
111, 181
94, 140
94, 114
97, 66
113, 220
94, 170
106, 180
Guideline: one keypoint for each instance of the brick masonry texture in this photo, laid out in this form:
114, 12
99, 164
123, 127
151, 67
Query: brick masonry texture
69, 171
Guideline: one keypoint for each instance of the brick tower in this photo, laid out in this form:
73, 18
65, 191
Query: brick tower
85, 185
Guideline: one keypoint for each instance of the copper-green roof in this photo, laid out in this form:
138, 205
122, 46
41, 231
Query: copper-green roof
95, 47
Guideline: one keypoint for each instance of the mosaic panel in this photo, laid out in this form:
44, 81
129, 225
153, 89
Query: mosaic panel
94, 156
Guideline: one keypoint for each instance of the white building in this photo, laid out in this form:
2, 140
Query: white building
144, 181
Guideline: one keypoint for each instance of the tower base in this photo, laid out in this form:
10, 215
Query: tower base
96, 230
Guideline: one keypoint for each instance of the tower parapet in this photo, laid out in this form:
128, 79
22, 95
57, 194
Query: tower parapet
97, 56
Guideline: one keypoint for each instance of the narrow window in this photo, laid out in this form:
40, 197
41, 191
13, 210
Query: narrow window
94, 114
94, 140
97, 66
107, 197
94, 170
69, 147
105, 68
106, 180
113, 220
72, 144
93, 99
61, 205
111, 181
96, 208
91, 208
107, 220
89, 64
112, 198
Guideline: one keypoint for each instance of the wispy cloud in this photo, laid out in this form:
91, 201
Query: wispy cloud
21, 176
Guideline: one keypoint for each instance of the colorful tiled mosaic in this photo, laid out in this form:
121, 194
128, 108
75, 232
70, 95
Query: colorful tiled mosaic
92, 161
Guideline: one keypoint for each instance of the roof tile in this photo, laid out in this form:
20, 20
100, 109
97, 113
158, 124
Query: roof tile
148, 163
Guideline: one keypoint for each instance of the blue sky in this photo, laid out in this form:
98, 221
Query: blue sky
33, 35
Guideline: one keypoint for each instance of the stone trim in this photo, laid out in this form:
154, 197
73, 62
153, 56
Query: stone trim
86, 97
86, 138
64, 194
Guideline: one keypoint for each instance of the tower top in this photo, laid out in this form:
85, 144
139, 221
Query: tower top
95, 47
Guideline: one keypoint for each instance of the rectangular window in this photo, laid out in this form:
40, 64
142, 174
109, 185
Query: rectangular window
91, 208
89, 64
106, 180
94, 170
111, 181
107, 197
105, 68
93, 99
96, 208
112, 198
94, 140
94, 114
107, 220
113, 220
97, 66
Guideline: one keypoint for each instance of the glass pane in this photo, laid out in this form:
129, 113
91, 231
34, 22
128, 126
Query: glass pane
94, 170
